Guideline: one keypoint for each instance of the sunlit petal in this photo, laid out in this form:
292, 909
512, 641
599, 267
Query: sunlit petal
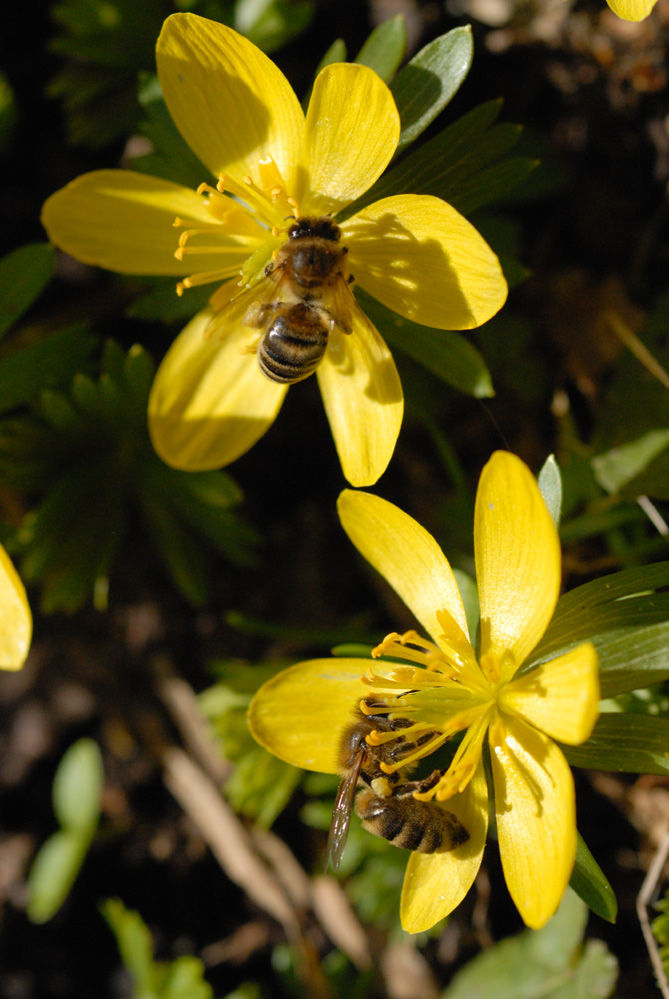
405, 554
15, 616
363, 400
436, 883
536, 822
352, 132
561, 697
209, 402
517, 558
123, 220
424, 260
229, 101
300, 714
632, 10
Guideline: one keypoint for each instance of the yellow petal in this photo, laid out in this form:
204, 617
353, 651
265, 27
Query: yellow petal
301, 713
363, 400
405, 554
229, 101
536, 820
123, 220
632, 10
436, 883
353, 128
15, 617
209, 402
517, 558
423, 259
561, 697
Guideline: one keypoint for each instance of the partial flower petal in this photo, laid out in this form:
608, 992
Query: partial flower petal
301, 713
123, 220
436, 883
363, 400
15, 618
424, 260
632, 10
517, 559
561, 697
353, 128
536, 820
405, 554
229, 101
210, 402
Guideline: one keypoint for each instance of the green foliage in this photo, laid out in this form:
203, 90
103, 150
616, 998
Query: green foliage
24, 274
77, 795
8, 114
170, 158
270, 23
261, 785
86, 452
384, 49
47, 364
660, 930
551, 963
179, 979
590, 884
632, 743
550, 484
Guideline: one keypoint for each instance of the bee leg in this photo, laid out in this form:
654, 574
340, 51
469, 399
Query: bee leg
426, 784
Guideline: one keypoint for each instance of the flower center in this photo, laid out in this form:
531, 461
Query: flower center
247, 222
447, 691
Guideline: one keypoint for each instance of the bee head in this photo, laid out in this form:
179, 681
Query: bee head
322, 228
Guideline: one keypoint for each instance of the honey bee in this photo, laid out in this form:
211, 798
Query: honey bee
307, 299
386, 804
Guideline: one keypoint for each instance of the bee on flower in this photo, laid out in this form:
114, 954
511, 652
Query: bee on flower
442, 687
268, 231
15, 616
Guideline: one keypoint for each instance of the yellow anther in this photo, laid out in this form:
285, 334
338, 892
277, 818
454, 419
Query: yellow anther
179, 254
247, 180
220, 186
180, 288
177, 222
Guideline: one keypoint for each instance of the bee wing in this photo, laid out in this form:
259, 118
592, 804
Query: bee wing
341, 815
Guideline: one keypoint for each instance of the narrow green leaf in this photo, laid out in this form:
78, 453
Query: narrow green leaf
626, 617
448, 355
77, 787
615, 468
269, 24
550, 486
470, 599
430, 80
590, 884
171, 158
384, 49
185, 980
481, 187
628, 742
336, 53
134, 943
53, 873
24, 274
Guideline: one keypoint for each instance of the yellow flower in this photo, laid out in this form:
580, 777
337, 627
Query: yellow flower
301, 713
210, 403
632, 10
15, 618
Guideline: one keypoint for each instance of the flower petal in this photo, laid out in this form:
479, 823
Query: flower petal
209, 402
229, 101
353, 128
405, 554
517, 559
561, 697
15, 617
123, 220
632, 10
536, 818
423, 259
436, 883
363, 400
300, 714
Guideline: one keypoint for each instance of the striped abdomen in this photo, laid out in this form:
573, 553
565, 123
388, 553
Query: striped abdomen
424, 826
294, 344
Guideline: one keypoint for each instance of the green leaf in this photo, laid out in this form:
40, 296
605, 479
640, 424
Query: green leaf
261, 785
77, 787
53, 873
185, 980
336, 53
8, 114
446, 354
163, 303
626, 615
269, 24
550, 486
619, 466
134, 943
632, 743
470, 598
590, 884
24, 274
430, 80
542, 964
384, 49
49, 363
